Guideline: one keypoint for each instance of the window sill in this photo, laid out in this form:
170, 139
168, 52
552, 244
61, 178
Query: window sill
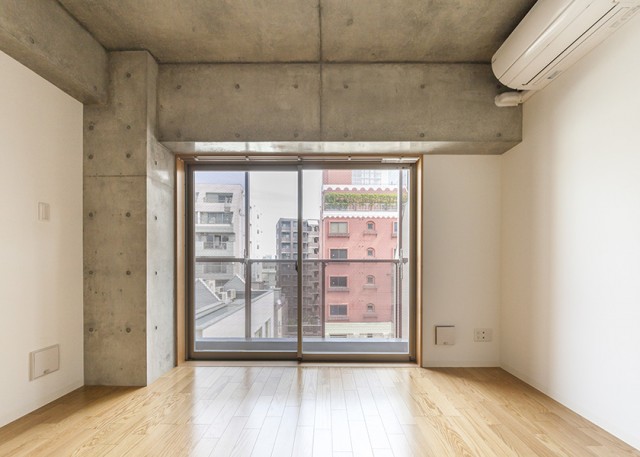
338, 235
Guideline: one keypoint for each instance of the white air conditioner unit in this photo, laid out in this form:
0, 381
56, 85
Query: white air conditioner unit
553, 36
231, 293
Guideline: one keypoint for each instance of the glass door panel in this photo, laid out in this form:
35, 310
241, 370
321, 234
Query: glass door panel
273, 241
245, 277
218, 234
355, 273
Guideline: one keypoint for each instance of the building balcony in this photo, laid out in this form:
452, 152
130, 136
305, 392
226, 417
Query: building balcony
217, 207
212, 227
210, 249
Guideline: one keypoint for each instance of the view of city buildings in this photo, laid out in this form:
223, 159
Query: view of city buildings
359, 222
287, 239
219, 230
349, 254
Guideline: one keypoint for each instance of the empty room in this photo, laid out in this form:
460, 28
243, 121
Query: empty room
320, 227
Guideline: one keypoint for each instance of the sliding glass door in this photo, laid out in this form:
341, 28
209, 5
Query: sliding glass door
300, 261
355, 282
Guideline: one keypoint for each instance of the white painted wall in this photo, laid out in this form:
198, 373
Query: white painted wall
41, 262
571, 239
461, 269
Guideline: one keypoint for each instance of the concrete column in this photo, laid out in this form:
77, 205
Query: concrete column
128, 231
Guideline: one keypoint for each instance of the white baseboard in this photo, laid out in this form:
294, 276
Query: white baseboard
459, 364
10, 416
632, 438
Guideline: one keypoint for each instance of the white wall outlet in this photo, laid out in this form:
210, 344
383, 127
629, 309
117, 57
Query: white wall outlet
482, 335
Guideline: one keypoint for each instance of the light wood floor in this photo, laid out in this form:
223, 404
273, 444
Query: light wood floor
311, 410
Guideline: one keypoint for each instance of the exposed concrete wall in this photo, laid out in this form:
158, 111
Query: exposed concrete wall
160, 262
128, 188
160, 171
42, 36
450, 103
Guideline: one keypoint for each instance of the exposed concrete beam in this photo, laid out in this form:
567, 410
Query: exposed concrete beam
449, 106
234, 149
409, 102
44, 37
246, 102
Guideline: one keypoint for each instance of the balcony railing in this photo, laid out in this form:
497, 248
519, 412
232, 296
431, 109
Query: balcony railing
317, 294
214, 245
214, 249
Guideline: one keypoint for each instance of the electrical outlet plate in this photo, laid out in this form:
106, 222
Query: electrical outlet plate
482, 335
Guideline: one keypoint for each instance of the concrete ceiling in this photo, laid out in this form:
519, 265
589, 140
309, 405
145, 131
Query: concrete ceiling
177, 31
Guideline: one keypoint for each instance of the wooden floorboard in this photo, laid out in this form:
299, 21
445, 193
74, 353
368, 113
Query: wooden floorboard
282, 410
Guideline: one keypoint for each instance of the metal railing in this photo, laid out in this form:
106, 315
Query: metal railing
317, 292
214, 245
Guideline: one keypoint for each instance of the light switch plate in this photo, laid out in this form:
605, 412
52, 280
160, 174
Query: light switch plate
445, 335
44, 211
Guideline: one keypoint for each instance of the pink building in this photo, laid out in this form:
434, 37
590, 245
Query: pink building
359, 222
